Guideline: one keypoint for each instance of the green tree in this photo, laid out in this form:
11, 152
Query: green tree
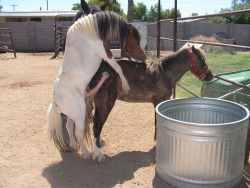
76, 6
152, 14
238, 19
113, 5
171, 13
140, 11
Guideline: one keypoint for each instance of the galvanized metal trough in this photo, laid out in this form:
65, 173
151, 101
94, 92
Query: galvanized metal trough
201, 142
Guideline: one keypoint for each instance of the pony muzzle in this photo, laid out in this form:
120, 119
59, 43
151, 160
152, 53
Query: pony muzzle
142, 58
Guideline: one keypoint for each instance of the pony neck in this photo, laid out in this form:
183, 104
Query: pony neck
176, 65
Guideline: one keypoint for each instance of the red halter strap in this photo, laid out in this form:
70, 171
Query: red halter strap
195, 69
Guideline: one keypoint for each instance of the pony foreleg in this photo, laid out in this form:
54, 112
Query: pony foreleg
113, 63
98, 153
106, 45
102, 141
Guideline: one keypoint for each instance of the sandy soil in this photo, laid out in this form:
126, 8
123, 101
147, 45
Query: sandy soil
28, 159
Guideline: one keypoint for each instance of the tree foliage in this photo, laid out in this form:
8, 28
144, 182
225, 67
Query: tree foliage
142, 13
113, 5
76, 6
140, 10
238, 19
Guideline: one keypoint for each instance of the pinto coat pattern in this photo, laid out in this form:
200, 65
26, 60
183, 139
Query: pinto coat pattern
83, 55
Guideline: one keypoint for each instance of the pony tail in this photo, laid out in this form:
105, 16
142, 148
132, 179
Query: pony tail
54, 128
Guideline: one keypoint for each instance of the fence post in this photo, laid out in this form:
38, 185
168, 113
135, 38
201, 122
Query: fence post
159, 29
12, 43
175, 39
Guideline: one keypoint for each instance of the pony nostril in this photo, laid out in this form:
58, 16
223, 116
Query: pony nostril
209, 77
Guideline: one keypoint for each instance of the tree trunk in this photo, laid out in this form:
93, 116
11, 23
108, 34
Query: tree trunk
130, 11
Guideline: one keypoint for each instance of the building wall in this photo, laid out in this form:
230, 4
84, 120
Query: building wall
31, 36
2, 19
142, 27
39, 36
43, 19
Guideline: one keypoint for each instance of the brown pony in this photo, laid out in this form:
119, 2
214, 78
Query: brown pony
152, 83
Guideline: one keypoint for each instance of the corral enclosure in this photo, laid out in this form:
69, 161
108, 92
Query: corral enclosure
29, 159
39, 36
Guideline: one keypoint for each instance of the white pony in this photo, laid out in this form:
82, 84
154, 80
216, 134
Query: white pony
86, 45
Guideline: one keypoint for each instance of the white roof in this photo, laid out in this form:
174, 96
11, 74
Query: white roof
70, 13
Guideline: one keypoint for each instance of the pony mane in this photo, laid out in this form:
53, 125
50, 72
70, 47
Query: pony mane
104, 24
111, 25
86, 25
158, 65
155, 67
172, 57
200, 53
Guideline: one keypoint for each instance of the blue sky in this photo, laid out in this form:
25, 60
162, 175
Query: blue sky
187, 7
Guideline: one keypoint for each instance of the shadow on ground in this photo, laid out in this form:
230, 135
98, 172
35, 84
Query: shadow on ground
73, 171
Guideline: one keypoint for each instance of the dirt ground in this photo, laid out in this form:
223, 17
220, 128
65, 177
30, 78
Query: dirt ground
29, 159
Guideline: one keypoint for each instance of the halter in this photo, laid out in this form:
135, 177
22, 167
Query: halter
195, 69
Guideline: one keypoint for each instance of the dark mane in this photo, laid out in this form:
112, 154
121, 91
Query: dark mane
155, 67
200, 54
172, 57
92, 9
111, 25
87, 9
160, 64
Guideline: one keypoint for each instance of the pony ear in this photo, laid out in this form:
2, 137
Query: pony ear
130, 28
85, 7
103, 7
193, 48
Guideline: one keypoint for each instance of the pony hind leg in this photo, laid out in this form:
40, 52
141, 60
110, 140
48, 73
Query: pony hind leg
79, 133
76, 114
70, 129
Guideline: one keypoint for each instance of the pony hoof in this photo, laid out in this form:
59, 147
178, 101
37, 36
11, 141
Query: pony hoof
87, 156
126, 89
74, 146
95, 155
74, 149
101, 159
